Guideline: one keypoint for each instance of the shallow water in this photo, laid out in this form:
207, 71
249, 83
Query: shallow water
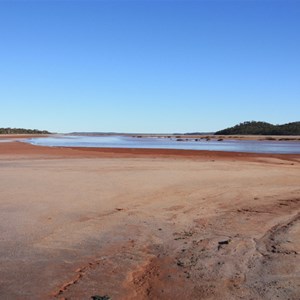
278, 147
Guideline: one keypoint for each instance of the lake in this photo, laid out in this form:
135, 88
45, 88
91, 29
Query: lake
114, 141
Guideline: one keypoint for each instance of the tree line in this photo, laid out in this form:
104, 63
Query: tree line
9, 130
262, 128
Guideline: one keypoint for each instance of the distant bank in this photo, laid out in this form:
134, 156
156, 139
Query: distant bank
22, 131
262, 128
245, 128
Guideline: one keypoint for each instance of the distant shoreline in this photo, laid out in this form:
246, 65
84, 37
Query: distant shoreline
198, 136
288, 138
158, 135
228, 137
22, 136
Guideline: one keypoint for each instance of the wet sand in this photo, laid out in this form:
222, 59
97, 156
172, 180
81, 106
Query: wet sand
148, 224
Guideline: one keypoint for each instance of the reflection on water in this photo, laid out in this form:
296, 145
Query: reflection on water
168, 143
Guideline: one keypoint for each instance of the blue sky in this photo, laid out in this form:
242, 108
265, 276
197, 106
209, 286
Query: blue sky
148, 66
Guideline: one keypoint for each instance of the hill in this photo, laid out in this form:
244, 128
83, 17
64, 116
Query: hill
22, 131
262, 128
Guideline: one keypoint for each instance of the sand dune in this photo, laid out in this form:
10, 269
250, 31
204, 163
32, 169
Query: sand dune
148, 224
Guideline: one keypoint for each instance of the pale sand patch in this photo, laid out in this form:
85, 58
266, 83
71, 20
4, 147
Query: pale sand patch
147, 224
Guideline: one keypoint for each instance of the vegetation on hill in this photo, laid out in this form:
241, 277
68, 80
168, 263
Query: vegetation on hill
262, 128
22, 131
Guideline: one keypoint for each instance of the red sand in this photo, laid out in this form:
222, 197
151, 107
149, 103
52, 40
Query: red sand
148, 224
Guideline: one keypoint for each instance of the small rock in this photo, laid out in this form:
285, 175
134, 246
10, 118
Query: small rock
221, 243
226, 242
97, 297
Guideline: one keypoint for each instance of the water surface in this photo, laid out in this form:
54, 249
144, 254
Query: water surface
279, 147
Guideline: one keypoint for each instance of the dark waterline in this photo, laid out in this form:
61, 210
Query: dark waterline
275, 147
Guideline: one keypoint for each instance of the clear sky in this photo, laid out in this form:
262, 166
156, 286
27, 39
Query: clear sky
148, 66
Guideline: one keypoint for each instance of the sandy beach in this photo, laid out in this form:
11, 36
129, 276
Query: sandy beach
148, 224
